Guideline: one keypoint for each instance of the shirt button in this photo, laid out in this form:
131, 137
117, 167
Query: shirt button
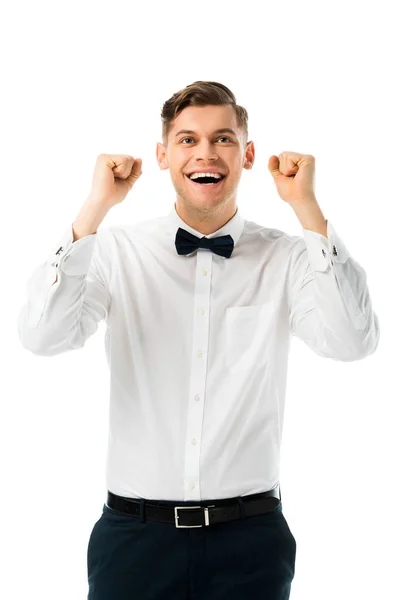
204, 272
200, 311
194, 442
199, 354
192, 485
197, 398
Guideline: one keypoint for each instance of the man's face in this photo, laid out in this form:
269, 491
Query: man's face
206, 148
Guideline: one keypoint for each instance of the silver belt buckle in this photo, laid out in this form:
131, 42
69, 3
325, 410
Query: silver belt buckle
205, 515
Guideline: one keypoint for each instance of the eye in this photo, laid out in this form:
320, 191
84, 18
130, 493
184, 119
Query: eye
222, 136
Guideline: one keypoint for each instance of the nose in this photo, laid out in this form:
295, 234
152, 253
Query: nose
206, 151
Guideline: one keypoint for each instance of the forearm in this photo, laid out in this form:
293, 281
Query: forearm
89, 218
311, 216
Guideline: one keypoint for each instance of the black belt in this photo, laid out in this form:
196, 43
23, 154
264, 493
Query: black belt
228, 509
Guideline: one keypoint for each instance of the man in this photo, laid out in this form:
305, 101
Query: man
200, 306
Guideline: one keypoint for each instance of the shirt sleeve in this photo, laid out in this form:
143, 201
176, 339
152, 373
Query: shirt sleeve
61, 316
330, 305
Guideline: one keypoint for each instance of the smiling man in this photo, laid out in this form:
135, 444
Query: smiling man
200, 306
206, 140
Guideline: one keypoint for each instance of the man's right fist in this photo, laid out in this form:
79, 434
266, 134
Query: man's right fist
113, 177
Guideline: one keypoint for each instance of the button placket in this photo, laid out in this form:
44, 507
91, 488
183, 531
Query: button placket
198, 373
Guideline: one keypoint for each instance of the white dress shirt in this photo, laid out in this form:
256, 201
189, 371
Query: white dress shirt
197, 344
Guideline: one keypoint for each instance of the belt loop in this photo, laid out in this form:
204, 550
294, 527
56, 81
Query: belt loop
142, 516
241, 507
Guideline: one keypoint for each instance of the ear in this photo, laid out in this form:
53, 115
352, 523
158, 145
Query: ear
162, 156
249, 156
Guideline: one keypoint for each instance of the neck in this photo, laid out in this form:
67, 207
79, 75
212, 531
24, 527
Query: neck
203, 220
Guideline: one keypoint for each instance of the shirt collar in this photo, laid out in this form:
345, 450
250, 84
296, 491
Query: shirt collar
233, 227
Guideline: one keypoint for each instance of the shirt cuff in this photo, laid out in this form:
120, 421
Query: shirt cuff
324, 250
73, 258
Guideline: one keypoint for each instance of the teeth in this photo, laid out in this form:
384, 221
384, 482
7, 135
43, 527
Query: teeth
196, 175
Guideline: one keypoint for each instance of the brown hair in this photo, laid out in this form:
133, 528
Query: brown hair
201, 93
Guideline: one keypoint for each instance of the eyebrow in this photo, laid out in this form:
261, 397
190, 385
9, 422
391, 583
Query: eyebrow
224, 130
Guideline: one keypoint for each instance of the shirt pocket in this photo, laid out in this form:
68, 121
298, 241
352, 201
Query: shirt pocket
248, 332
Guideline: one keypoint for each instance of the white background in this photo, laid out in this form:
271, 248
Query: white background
84, 78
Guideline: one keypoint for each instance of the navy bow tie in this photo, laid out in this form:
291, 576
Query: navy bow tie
186, 243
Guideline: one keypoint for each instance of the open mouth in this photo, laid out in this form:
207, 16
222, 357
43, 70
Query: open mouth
206, 182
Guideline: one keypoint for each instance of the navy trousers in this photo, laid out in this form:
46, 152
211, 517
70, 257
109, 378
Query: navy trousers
131, 558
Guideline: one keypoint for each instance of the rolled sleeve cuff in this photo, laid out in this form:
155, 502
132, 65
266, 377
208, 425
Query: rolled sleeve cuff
73, 258
322, 250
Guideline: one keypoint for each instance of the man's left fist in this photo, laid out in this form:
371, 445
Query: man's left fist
293, 174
